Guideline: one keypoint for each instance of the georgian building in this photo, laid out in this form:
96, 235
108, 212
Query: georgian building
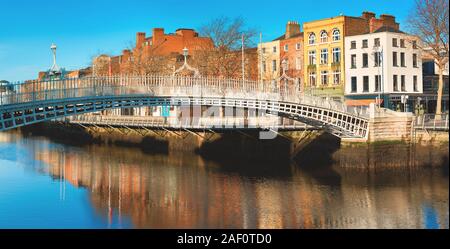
324, 58
286, 49
386, 64
269, 60
155, 54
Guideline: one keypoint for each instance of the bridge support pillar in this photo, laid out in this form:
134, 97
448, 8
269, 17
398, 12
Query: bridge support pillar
388, 125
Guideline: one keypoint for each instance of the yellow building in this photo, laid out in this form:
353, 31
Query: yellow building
324, 53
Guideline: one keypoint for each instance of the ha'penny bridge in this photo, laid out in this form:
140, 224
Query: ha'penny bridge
37, 101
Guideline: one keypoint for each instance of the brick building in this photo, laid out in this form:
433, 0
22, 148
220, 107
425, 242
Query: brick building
155, 54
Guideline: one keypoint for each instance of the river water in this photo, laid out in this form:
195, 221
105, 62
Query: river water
44, 184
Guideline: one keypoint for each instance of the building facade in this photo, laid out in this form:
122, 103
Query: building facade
155, 54
286, 50
385, 64
431, 86
269, 60
291, 51
324, 57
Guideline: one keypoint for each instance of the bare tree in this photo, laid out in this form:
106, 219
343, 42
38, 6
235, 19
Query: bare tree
429, 21
224, 59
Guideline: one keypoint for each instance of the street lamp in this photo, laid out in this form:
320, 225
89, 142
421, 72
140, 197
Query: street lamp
284, 65
185, 54
54, 67
378, 56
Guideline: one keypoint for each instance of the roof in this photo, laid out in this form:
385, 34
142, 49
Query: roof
388, 29
283, 37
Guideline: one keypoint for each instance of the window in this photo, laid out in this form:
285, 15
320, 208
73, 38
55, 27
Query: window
286, 62
312, 38
337, 77
263, 50
324, 77
298, 63
377, 83
353, 45
312, 57
415, 60
377, 59
336, 55
402, 43
353, 61
395, 83
365, 83
402, 59
414, 44
394, 59
274, 49
297, 46
376, 42
312, 78
403, 83
324, 56
323, 36
264, 66
354, 84
394, 42
274, 65
365, 60
286, 47
336, 35
365, 43
415, 83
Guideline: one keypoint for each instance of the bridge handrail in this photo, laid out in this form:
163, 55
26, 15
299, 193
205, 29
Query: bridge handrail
164, 85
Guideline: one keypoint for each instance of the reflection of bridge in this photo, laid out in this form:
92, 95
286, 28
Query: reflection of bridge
38, 101
199, 124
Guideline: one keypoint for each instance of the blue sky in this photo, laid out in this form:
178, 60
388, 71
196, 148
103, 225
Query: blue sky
85, 28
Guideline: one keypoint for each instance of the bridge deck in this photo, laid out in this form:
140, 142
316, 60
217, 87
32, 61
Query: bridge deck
35, 101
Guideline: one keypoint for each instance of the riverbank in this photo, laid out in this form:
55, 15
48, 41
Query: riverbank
243, 151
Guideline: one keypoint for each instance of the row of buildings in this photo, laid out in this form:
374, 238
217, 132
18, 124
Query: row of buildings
356, 60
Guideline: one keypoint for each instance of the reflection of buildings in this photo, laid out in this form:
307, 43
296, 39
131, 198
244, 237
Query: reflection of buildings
181, 192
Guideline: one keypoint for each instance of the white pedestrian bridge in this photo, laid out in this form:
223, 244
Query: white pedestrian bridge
37, 101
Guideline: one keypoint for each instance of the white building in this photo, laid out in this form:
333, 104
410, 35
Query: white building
384, 63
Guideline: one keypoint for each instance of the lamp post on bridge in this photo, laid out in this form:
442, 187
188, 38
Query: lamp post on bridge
379, 57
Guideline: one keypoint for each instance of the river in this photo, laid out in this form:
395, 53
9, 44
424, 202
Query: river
45, 184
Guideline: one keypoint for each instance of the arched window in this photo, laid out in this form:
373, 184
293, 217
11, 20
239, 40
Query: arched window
312, 38
323, 36
336, 35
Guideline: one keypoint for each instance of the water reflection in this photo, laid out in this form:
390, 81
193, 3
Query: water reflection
126, 187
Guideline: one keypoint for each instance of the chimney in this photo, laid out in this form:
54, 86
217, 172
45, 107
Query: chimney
389, 21
292, 29
158, 34
140, 39
126, 52
387, 18
368, 15
187, 33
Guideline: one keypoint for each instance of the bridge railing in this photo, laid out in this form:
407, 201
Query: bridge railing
165, 86
432, 122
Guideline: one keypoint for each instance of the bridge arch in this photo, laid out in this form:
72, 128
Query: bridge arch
64, 98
